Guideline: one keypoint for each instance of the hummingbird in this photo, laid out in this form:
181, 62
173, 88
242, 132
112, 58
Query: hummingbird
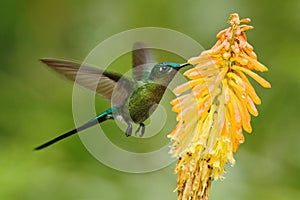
133, 101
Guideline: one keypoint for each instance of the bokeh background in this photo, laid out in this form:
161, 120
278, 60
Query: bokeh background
36, 104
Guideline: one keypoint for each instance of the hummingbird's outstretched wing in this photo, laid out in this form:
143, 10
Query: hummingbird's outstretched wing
92, 78
141, 57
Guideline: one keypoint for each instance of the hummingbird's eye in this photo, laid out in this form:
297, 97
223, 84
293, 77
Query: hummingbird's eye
164, 68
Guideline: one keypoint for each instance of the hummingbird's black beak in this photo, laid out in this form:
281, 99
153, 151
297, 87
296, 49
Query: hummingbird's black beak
182, 65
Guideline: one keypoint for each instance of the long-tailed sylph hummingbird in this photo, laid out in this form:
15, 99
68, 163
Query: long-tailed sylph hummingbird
133, 101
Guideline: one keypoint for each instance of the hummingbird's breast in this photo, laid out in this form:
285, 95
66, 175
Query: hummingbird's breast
144, 100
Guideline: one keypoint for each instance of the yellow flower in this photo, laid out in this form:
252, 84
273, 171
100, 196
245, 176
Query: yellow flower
214, 108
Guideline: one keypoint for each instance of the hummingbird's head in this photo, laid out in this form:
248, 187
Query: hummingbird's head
164, 72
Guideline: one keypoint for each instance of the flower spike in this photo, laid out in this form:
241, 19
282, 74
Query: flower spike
212, 116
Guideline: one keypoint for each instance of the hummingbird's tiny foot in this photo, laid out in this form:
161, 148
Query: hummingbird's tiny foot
137, 130
129, 130
143, 129
142, 125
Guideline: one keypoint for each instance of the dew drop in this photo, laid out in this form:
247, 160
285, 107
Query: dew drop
243, 95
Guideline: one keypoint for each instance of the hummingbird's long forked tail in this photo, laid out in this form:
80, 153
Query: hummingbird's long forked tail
98, 119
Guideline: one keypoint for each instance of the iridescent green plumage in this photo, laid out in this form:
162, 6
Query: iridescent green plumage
132, 101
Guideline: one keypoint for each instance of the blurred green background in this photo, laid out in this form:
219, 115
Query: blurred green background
36, 104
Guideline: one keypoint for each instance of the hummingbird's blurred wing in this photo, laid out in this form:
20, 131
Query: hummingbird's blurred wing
141, 58
94, 79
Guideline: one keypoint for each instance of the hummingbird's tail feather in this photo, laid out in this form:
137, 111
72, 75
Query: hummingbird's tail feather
98, 119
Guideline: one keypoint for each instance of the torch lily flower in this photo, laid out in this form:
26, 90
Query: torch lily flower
213, 109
